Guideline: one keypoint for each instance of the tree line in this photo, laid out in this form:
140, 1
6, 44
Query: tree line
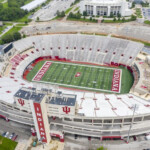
13, 11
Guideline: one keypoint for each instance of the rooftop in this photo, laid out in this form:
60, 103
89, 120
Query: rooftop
63, 99
29, 95
32, 5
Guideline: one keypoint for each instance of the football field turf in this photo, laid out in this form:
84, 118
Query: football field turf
80, 76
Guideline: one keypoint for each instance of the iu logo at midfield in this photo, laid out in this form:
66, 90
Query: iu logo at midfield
21, 101
78, 74
66, 109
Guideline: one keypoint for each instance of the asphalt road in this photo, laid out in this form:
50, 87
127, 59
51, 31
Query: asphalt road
82, 143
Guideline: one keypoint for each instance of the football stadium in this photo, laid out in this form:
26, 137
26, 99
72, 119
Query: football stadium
76, 84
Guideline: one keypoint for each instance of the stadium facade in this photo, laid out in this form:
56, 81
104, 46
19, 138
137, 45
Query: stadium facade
106, 7
51, 110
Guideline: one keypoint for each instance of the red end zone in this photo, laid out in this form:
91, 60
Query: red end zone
42, 71
116, 81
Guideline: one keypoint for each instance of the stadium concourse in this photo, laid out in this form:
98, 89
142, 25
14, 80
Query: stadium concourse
66, 111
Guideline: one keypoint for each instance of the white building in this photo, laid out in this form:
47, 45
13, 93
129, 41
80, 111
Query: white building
33, 5
106, 7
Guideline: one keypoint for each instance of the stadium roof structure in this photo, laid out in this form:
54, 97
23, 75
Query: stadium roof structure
32, 5
90, 104
9, 86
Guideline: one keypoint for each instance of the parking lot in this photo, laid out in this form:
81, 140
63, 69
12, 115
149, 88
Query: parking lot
20, 134
146, 13
49, 11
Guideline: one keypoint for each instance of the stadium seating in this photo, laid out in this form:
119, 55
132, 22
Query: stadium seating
86, 48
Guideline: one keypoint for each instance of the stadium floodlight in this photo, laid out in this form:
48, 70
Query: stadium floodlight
134, 108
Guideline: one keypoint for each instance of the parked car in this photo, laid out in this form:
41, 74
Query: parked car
147, 137
34, 144
6, 135
12, 135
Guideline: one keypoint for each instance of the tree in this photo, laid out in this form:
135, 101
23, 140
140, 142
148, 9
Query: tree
10, 14
24, 36
111, 15
16, 36
78, 16
37, 19
7, 38
119, 19
123, 19
70, 15
118, 15
58, 13
91, 18
133, 18
84, 13
26, 22
114, 19
62, 14
133, 4
1, 6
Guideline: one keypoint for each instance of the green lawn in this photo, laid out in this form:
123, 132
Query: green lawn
25, 18
68, 10
7, 144
2, 28
28, 1
8, 23
12, 30
95, 78
147, 22
77, 8
5, 5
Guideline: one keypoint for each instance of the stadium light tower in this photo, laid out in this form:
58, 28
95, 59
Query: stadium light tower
135, 106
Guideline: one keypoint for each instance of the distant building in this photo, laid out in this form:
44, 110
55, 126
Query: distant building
106, 7
32, 5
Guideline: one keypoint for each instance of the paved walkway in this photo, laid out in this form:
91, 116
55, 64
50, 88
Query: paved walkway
82, 143
54, 145
6, 30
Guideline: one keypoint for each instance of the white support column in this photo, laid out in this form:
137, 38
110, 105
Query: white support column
94, 10
108, 14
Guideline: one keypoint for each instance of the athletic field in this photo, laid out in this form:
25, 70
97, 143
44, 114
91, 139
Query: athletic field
80, 76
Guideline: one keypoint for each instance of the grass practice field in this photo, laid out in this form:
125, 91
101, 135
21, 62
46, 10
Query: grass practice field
7, 144
80, 76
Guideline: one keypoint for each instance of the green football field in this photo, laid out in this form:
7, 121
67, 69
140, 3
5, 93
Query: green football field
80, 76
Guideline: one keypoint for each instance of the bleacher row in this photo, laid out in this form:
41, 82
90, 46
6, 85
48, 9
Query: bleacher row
86, 48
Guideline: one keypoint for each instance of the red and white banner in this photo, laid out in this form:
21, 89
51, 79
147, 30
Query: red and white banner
42, 71
78, 74
39, 117
116, 81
